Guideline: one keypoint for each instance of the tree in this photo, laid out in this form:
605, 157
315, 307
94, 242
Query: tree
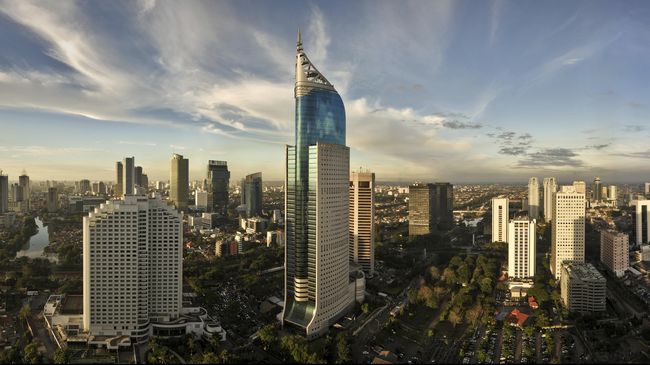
24, 312
62, 355
342, 349
365, 308
268, 334
455, 318
486, 285
463, 274
412, 295
434, 274
541, 320
450, 276
31, 354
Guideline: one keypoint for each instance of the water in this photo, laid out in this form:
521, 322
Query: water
36, 244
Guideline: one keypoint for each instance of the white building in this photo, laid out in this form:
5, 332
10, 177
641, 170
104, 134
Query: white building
612, 195
580, 186
521, 248
362, 220
582, 288
201, 199
550, 188
568, 229
132, 267
641, 220
533, 198
500, 214
615, 251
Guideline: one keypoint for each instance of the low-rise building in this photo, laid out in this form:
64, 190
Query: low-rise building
583, 288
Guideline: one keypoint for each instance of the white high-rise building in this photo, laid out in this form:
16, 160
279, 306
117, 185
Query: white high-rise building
132, 267
521, 248
646, 189
128, 176
641, 220
615, 251
612, 195
500, 215
533, 198
550, 187
568, 235
580, 186
362, 220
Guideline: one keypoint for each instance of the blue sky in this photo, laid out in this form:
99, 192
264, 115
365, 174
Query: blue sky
461, 91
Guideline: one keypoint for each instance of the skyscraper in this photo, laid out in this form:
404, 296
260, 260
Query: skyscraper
533, 198
612, 195
118, 191
642, 223
52, 200
444, 205
128, 176
137, 173
253, 194
84, 186
132, 267
23, 181
550, 187
615, 251
317, 286
521, 248
4, 193
362, 222
568, 235
422, 199
596, 190
179, 181
500, 216
218, 179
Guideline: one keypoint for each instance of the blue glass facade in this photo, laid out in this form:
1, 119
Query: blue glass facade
320, 117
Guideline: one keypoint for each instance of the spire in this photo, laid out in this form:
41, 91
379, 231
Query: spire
307, 76
299, 43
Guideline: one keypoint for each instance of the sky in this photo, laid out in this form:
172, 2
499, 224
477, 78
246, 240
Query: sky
460, 91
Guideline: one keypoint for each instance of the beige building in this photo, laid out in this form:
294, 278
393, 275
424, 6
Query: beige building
583, 288
500, 216
568, 229
533, 198
179, 181
361, 220
580, 186
550, 188
521, 248
615, 251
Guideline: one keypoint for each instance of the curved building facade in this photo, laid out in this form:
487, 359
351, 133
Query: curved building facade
316, 200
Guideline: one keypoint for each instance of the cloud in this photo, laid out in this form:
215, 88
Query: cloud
634, 128
639, 154
598, 146
513, 151
556, 158
455, 124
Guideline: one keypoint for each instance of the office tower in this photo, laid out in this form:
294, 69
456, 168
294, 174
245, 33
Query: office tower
582, 288
422, 199
52, 200
145, 181
550, 187
99, 188
201, 200
596, 190
443, 211
646, 190
521, 248
253, 194
362, 222
17, 193
581, 187
533, 198
500, 216
179, 181
568, 234
128, 176
118, 191
23, 181
218, 179
242, 191
4, 193
640, 217
132, 267
84, 186
317, 291
612, 194
137, 175
615, 251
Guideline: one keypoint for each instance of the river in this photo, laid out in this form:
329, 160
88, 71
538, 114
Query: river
36, 244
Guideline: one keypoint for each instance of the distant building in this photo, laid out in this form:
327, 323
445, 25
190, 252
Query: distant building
568, 229
582, 288
217, 181
119, 171
99, 188
646, 189
138, 175
550, 188
643, 254
640, 217
596, 190
23, 181
612, 195
201, 200
179, 181
128, 176
500, 216
253, 194
421, 203
533, 198
615, 251
362, 220
580, 186
4, 193
84, 186
52, 200
521, 248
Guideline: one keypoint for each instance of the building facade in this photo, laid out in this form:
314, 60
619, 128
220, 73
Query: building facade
179, 181
500, 216
533, 198
316, 199
253, 194
582, 288
52, 200
362, 220
615, 251
4, 193
421, 204
596, 190
128, 176
132, 267
521, 248
642, 224
118, 191
550, 188
218, 179
568, 229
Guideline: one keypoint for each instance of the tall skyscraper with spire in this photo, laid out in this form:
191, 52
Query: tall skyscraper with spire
317, 284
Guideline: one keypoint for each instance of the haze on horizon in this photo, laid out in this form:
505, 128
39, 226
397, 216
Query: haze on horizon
434, 91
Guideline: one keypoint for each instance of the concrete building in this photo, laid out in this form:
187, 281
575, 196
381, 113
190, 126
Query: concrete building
582, 288
596, 190
137, 175
23, 181
253, 194
421, 203
118, 190
128, 176
84, 187
646, 189
317, 267
533, 198
98, 188
568, 229
179, 181
201, 200
615, 251
362, 220
52, 200
580, 186
640, 217
217, 181
500, 217
4, 193
550, 188
521, 248
612, 195
132, 267
444, 205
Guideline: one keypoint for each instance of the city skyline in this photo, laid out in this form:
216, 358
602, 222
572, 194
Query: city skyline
444, 91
